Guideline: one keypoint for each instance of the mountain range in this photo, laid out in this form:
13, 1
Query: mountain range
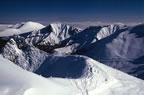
61, 52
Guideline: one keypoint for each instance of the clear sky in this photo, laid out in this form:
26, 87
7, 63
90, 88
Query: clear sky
12, 11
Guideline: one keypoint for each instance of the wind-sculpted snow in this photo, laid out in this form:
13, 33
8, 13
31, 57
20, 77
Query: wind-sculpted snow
97, 80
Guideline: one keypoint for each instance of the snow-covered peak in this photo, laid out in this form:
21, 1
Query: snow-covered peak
27, 25
108, 30
59, 28
31, 26
50, 35
56, 32
21, 28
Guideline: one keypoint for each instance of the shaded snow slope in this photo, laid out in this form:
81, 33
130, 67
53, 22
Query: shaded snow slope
16, 81
79, 41
122, 50
20, 28
98, 80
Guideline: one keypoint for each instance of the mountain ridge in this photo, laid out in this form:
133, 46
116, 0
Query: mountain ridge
102, 43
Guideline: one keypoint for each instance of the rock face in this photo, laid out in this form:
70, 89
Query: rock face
28, 57
116, 45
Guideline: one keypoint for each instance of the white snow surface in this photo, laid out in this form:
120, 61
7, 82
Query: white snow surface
60, 32
20, 28
102, 80
16, 81
52, 34
89, 36
95, 78
106, 31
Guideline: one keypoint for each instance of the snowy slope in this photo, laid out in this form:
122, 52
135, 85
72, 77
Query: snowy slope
26, 56
68, 72
16, 81
107, 31
3, 26
84, 40
100, 80
21, 49
116, 45
20, 28
52, 34
47, 38
81, 40
122, 50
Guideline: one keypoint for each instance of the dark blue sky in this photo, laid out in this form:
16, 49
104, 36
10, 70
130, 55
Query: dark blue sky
12, 11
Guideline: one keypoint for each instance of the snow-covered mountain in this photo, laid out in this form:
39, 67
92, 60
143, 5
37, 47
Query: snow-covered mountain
122, 50
117, 45
48, 37
20, 28
97, 79
67, 56
111, 45
84, 40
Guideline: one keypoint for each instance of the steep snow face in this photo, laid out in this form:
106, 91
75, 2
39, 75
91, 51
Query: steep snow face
108, 30
21, 28
62, 31
58, 33
28, 57
80, 41
100, 80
